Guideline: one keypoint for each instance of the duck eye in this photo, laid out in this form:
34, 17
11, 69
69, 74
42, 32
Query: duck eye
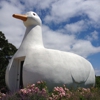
34, 14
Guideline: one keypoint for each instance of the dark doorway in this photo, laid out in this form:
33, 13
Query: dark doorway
21, 75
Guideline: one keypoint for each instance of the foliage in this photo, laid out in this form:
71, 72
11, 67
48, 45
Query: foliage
39, 91
6, 51
97, 81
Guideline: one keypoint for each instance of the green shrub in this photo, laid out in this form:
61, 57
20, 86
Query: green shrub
97, 82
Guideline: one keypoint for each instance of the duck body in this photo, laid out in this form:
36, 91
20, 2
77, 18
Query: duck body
58, 68
53, 66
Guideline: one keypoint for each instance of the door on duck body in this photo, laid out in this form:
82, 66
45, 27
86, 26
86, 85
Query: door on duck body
20, 73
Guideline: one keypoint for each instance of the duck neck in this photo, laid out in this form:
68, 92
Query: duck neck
33, 37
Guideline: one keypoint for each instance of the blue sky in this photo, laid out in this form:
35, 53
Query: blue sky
68, 25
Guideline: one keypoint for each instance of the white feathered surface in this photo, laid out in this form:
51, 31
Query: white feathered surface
53, 66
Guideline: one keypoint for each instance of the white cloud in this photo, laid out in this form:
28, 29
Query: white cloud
76, 27
45, 3
91, 8
65, 42
12, 28
84, 48
38, 4
14, 34
63, 10
57, 40
93, 36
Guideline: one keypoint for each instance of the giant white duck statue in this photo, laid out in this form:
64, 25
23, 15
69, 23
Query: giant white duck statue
33, 62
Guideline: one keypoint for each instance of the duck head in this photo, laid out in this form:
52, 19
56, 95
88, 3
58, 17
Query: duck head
29, 19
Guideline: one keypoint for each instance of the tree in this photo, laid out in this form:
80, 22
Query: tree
6, 51
97, 81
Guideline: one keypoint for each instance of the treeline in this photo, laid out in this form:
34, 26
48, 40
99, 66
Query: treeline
97, 82
6, 51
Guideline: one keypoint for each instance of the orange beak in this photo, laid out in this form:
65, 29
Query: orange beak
19, 16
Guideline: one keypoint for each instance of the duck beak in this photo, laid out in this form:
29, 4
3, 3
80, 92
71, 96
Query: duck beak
19, 16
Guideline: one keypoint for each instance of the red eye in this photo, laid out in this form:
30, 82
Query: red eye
34, 14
